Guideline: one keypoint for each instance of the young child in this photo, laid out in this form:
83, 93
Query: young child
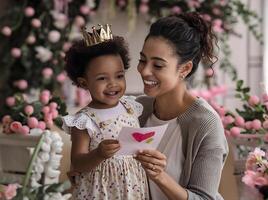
98, 64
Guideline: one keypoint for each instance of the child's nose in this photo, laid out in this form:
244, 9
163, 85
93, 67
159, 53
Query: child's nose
112, 83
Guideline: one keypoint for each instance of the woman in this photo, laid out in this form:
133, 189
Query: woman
191, 155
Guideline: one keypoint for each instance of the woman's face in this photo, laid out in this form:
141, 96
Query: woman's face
158, 66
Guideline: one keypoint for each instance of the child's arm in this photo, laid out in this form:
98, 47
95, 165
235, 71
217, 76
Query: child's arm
84, 160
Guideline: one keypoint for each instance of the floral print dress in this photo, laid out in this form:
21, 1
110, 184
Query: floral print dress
116, 178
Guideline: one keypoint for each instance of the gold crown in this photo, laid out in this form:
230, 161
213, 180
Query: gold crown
98, 35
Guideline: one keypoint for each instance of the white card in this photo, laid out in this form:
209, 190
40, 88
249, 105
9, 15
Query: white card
135, 139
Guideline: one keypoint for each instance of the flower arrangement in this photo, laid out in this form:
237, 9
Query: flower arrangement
256, 172
41, 179
22, 117
249, 122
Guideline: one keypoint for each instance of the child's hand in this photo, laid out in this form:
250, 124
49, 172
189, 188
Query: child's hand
107, 148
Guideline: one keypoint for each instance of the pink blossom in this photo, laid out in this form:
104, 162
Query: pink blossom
256, 124
28, 110
10, 101
31, 39
221, 111
61, 77
248, 125
144, 8
15, 52
216, 11
54, 36
265, 97
223, 2
45, 109
6, 119
206, 17
228, 120
55, 114
24, 130
6, 31
85, 10
45, 92
44, 96
32, 122
21, 84
29, 11
47, 72
217, 26
175, 10
249, 178
239, 121
10, 191
206, 94
121, 3
41, 125
36, 23
48, 117
79, 21
265, 124
261, 181
235, 131
258, 152
253, 100
193, 3
53, 106
66, 46
251, 161
15, 126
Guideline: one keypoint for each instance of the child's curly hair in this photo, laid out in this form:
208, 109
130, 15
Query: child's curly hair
79, 55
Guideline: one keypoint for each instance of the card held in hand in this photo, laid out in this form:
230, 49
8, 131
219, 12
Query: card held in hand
135, 139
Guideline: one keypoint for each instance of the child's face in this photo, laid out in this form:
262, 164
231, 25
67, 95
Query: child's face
105, 80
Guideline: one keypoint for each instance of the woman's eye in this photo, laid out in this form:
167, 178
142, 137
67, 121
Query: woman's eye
158, 66
141, 61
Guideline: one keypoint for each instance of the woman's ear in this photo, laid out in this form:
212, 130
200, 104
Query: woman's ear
82, 82
185, 69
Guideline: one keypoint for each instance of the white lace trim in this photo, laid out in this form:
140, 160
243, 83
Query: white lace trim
80, 121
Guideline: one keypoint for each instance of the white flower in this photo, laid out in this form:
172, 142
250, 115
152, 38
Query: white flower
61, 19
45, 147
43, 54
39, 168
36, 131
36, 176
52, 173
54, 36
44, 156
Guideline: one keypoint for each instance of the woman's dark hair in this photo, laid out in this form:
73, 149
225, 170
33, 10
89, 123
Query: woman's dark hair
190, 36
79, 55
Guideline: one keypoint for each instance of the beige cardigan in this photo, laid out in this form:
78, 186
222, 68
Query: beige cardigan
204, 147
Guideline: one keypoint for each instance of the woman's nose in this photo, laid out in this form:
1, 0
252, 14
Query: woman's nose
145, 70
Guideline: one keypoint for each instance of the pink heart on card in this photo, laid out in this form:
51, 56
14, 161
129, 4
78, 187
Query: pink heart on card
142, 136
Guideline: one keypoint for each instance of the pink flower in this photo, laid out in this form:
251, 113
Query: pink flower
253, 100
248, 125
258, 152
121, 3
206, 17
256, 124
206, 94
28, 110
41, 125
21, 84
193, 3
221, 111
239, 121
249, 178
79, 21
36, 23
24, 130
54, 36
47, 72
45, 109
32, 122
29, 11
10, 191
31, 39
53, 106
216, 11
10, 101
6, 119
15, 126
55, 114
143, 8
48, 117
235, 131
44, 97
261, 181
265, 124
265, 97
217, 25
251, 161
6, 31
209, 72
228, 120
175, 10
61, 77
15, 52
66, 46
85, 10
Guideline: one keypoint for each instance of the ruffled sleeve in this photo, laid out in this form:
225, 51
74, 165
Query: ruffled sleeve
80, 120
136, 106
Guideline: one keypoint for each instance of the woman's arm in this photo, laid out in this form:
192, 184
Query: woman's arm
84, 160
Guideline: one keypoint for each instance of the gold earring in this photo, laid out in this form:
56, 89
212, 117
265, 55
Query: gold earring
181, 77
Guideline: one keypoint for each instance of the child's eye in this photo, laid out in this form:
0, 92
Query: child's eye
120, 76
101, 78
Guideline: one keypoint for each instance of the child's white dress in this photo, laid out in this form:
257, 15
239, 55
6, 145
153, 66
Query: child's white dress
119, 177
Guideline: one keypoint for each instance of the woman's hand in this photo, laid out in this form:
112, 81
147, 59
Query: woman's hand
154, 162
107, 148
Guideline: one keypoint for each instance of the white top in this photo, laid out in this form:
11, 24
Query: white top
118, 177
171, 146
